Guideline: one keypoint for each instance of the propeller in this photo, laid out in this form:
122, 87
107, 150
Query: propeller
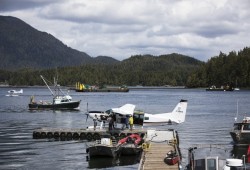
87, 112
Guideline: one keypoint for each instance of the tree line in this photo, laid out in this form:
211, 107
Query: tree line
147, 70
232, 69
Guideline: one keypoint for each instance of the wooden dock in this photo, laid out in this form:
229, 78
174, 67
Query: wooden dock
161, 142
158, 142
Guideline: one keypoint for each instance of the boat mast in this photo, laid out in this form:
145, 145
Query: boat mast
47, 85
57, 86
235, 119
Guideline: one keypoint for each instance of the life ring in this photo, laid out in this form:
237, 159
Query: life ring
34, 135
43, 135
37, 135
238, 136
89, 137
69, 135
96, 136
56, 135
75, 136
82, 136
62, 135
49, 135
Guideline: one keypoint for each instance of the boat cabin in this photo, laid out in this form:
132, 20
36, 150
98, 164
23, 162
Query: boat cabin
212, 158
244, 126
62, 99
206, 159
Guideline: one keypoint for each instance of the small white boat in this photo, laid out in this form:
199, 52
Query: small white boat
13, 93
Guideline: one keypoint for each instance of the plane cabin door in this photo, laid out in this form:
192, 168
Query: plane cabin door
138, 118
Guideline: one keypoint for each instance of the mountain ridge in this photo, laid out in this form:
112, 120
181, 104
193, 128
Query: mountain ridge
23, 46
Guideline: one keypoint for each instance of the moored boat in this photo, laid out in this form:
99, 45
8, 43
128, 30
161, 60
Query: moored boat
102, 147
130, 145
60, 100
222, 88
241, 131
130, 149
213, 157
87, 88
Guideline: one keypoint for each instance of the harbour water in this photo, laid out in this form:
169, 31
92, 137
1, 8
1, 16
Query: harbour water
210, 117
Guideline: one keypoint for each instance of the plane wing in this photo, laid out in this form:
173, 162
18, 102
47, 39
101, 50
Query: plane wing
127, 109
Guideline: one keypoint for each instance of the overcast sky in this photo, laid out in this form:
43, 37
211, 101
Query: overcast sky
122, 28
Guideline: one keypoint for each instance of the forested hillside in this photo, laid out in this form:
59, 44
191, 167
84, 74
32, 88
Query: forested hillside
22, 46
148, 70
232, 69
173, 69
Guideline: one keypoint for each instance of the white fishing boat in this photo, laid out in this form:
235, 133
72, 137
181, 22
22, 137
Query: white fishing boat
60, 100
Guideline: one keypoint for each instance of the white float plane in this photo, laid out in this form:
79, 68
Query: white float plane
14, 92
140, 118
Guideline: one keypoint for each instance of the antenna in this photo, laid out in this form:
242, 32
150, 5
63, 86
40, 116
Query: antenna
235, 119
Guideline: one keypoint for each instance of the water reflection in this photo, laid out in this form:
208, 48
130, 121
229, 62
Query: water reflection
104, 162
241, 151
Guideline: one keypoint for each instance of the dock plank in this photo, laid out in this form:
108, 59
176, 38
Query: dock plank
153, 157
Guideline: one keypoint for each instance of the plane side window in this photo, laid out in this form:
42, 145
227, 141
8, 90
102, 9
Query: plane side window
136, 116
108, 111
146, 118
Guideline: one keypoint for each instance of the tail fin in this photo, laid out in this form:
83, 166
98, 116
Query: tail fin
180, 110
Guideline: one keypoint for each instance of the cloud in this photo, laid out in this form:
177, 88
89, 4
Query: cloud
121, 28
13, 5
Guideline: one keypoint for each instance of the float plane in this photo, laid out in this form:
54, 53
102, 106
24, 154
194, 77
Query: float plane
140, 118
